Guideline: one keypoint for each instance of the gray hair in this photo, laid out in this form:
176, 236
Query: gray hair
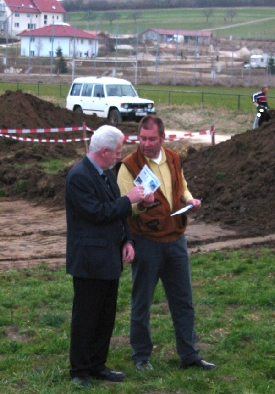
106, 135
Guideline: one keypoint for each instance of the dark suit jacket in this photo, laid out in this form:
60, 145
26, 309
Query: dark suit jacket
96, 223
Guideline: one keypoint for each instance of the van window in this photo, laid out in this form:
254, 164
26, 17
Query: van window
76, 89
98, 91
87, 89
120, 90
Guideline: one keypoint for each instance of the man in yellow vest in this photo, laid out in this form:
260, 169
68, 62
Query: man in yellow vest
160, 246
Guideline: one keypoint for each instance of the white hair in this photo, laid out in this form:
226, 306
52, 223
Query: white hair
106, 135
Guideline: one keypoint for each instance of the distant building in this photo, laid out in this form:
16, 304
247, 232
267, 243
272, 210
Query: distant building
187, 36
19, 15
45, 41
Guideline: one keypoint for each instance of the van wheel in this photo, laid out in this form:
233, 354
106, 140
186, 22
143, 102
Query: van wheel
78, 110
115, 117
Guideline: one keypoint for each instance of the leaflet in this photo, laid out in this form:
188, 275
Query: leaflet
182, 210
148, 180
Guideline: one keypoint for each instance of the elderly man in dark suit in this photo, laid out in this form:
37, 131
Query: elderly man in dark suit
98, 242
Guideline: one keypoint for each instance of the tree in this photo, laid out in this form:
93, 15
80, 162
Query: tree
61, 66
111, 16
89, 16
135, 15
231, 13
58, 52
207, 12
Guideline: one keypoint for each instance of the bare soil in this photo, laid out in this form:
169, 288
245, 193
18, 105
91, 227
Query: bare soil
235, 179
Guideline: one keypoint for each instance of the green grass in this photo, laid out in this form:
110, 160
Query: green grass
234, 297
214, 96
183, 19
54, 166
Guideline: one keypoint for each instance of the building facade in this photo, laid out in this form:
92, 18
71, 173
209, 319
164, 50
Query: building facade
185, 36
44, 42
17, 15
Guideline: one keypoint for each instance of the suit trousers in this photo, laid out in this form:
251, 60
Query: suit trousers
93, 319
168, 261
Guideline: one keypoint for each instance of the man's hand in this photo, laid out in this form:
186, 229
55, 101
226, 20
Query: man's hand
136, 194
147, 202
128, 253
196, 204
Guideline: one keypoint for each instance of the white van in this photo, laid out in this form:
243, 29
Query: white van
111, 98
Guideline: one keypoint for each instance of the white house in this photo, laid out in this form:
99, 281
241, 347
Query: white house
45, 41
19, 15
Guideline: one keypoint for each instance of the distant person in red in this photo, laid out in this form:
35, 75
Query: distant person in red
259, 99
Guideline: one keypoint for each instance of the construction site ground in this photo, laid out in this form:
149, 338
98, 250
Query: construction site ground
234, 178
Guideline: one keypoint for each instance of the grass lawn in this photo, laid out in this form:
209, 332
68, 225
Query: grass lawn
234, 296
183, 19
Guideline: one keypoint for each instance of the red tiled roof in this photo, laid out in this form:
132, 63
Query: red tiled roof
35, 6
58, 31
49, 6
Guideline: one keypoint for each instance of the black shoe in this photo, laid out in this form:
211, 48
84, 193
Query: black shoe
107, 374
84, 382
144, 365
199, 363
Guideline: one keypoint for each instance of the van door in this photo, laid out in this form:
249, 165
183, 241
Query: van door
86, 98
99, 101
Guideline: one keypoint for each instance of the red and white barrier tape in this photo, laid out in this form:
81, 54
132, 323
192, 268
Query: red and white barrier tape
46, 130
14, 137
132, 139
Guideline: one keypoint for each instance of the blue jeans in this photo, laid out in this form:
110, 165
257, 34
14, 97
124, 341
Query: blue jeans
168, 261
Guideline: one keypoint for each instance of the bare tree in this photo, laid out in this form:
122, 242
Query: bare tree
111, 16
89, 16
207, 12
135, 15
231, 13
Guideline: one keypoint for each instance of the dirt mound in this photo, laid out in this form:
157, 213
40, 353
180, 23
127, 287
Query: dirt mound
235, 179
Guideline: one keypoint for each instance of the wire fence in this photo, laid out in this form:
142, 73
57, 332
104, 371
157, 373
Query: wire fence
159, 96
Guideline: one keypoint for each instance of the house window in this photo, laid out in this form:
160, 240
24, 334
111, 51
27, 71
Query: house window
32, 39
31, 26
17, 15
31, 53
16, 25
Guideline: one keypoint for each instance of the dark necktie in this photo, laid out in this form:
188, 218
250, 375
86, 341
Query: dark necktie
105, 178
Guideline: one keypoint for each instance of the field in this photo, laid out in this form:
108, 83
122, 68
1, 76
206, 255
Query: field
249, 23
234, 301
233, 288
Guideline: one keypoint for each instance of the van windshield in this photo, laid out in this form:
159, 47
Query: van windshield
121, 90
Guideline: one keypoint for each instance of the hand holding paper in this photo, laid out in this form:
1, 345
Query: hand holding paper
194, 204
148, 180
182, 210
